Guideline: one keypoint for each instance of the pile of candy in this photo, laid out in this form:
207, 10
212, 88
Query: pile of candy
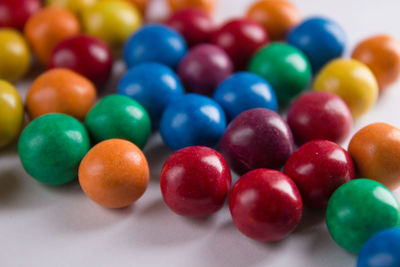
205, 86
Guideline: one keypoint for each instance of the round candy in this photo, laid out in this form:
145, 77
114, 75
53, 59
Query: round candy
195, 181
318, 168
265, 205
243, 91
321, 39
376, 152
285, 67
15, 13
359, 209
192, 120
85, 55
153, 85
277, 17
155, 43
11, 113
114, 173
381, 54
352, 81
204, 68
117, 116
381, 250
45, 29
140, 4
14, 55
319, 115
112, 21
61, 91
207, 5
195, 25
257, 138
76, 6
51, 148
241, 38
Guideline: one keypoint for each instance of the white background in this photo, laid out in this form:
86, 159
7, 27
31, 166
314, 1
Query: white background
59, 226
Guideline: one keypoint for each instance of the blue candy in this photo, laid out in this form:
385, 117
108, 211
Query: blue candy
153, 85
320, 39
243, 91
192, 120
155, 43
381, 250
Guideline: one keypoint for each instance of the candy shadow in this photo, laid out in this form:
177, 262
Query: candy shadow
156, 153
111, 86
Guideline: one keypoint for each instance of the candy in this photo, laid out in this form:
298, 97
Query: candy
52, 146
204, 68
15, 13
381, 53
155, 43
153, 85
318, 168
257, 138
117, 116
241, 38
285, 67
140, 4
85, 55
195, 181
192, 120
319, 115
381, 250
11, 113
265, 205
112, 21
195, 25
45, 29
114, 173
352, 81
243, 91
207, 5
76, 6
321, 39
376, 152
359, 209
14, 55
61, 91
277, 17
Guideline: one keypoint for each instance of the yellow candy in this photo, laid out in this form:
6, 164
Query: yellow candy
112, 21
76, 6
11, 113
352, 81
14, 55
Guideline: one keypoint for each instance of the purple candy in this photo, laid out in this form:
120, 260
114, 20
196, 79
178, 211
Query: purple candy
203, 68
257, 138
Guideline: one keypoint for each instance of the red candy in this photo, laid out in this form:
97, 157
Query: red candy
241, 38
319, 115
318, 168
194, 24
265, 205
85, 55
15, 13
195, 181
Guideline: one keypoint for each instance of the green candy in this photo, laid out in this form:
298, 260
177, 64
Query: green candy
117, 116
285, 67
51, 148
359, 209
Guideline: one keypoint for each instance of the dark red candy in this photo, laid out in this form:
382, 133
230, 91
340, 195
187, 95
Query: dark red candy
85, 55
319, 115
265, 205
318, 168
257, 138
195, 181
241, 38
15, 13
194, 24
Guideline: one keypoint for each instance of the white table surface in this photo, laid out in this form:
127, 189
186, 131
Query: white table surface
59, 226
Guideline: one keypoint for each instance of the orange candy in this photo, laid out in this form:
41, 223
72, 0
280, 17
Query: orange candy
276, 16
61, 91
381, 54
376, 152
207, 5
114, 173
47, 28
140, 4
